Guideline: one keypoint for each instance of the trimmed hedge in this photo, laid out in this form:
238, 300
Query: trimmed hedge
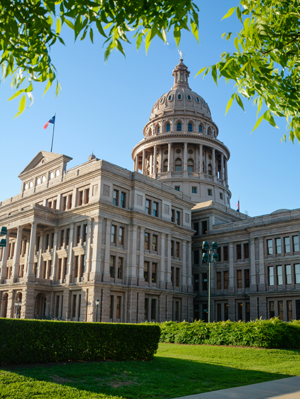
272, 333
39, 341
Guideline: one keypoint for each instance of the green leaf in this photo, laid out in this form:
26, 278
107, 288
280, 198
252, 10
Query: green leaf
239, 101
92, 35
229, 13
258, 123
100, 29
177, 35
214, 74
239, 14
195, 30
260, 101
229, 103
201, 70
47, 87
148, 40
69, 23
269, 117
139, 40
236, 43
58, 26
22, 105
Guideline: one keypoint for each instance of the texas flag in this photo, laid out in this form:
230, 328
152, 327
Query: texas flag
238, 206
52, 120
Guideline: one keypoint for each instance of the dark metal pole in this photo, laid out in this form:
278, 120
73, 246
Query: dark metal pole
53, 133
96, 313
209, 260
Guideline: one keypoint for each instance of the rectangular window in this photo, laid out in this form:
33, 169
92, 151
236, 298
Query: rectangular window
154, 242
120, 267
196, 311
38, 240
76, 258
239, 251
204, 227
271, 309
196, 228
155, 209
219, 311
118, 308
146, 271
70, 197
116, 198
113, 234
59, 268
154, 271
194, 190
146, 308
78, 234
148, 207
240, 311
112, 266
219, 281
297, 274
204, 312
204, 282
246, 250
221, 196
177, 249
247, 311
86, 196
123, 200
270, 247
226, 281
84, 232
209, 192
172, 275
153, 309
74, 306
287, 247
239, 279
219, 252
54, 204
62, 234
296, 243
68, 237
111, 306
172, 215
298, 309
177, 221
172, 248
271, 275
288, 274
247, 278
196, 257
177, 281
289, 305
279, 275
49, 204
278, 246
226, 311
64, 203
47, 244
147, 241
121, 235
80, 198
196, 282
177, 188
225, 253
280, 310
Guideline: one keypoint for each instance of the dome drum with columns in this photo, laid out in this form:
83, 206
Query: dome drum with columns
181, 147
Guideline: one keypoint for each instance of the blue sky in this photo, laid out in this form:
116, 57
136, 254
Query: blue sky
103, 108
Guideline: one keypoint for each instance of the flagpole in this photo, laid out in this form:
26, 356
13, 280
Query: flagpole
53, 132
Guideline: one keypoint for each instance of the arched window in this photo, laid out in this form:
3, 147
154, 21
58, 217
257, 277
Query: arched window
168, 127
158, 129
208, 131
178, 165
165, 168
209, 169
190, 127
190, 165
179, 127
200, 128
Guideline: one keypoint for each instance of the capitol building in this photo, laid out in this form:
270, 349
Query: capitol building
100, 243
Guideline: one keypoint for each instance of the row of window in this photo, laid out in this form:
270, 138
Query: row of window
222, 280
282, 275
42, 179
274, 246
83, 198
179, 128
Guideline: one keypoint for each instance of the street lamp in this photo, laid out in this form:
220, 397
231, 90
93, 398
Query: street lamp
206, 257
97, 304
18, 306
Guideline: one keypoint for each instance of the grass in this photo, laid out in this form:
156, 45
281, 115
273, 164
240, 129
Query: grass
177, 370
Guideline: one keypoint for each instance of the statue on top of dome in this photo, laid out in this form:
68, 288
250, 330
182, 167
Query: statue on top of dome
180, 55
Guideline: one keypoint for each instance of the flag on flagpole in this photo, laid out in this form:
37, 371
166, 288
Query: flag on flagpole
238, 206
52, 120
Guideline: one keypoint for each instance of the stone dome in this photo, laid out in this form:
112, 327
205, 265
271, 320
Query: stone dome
180, 97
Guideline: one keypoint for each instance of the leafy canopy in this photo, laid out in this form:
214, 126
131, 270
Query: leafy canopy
30, 28
266, 63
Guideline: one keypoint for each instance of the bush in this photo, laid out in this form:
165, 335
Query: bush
36, 341
272, 333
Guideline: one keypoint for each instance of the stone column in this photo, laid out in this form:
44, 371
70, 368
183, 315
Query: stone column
184, 267
201, 159
40, 259
185, 158
214, 164
143, 163
131, 268
54, 260
106, 275
142, 256
135, 163
222, 168
169, 159
253, 286
231, 271
226, 173
30, 275
95, 272
262, 285
4, 259
16, 260
169, 284
70, 255
189, 268
197, 161
87, 257
26, 257
151, 165
155, 162
162, 278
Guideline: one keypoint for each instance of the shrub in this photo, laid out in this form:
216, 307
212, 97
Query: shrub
36, 341
272, 333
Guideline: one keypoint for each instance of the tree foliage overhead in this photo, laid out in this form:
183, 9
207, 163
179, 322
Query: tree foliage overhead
28, 30
266, 63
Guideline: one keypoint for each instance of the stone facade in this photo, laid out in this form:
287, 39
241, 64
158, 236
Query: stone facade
133, 240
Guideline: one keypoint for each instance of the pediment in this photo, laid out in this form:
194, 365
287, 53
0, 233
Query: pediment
41, 159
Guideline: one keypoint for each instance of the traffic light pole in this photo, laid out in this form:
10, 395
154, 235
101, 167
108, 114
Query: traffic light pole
209, 268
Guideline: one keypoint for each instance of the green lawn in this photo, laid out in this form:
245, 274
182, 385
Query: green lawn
177, 370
